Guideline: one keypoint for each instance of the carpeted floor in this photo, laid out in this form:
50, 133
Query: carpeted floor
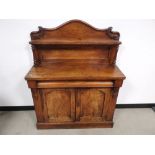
127, 121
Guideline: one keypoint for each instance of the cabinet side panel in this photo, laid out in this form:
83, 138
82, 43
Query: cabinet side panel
111, 104
36, 94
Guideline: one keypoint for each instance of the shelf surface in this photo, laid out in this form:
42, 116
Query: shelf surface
76, 71
77, 42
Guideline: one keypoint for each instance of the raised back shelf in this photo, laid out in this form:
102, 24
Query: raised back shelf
74, 40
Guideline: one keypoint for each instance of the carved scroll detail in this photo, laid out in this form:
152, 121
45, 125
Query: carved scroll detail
112, 34
37, 34
35, 56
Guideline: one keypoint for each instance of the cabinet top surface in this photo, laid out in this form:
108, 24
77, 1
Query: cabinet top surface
75, 71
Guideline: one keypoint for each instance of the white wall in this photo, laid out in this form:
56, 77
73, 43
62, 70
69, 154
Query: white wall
136, 58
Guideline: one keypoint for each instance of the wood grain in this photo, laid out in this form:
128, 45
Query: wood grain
68, 125
60, 104
74, 84
75, 71
92, 102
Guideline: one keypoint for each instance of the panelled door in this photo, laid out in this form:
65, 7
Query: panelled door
77, 104
92, 104
59, 105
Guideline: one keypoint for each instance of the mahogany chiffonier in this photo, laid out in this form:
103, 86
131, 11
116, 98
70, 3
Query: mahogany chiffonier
74, 80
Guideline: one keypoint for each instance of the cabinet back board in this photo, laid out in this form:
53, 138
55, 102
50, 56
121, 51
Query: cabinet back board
75, 41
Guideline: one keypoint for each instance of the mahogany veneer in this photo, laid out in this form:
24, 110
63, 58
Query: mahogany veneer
74, 80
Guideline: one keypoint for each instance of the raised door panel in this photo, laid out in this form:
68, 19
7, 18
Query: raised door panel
59, 105
91, 104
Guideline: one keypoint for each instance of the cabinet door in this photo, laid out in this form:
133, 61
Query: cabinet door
91, 104
59, 105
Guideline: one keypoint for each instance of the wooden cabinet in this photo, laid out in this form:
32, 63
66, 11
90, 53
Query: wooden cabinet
74, 80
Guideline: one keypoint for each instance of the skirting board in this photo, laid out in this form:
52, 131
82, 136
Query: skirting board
23, 108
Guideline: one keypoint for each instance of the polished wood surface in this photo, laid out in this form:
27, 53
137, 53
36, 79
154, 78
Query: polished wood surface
75, 30
74, 80
79, 42
74, 84
91, 104
75, 71
59, 105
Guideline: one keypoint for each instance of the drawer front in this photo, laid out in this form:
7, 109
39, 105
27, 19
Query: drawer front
74, 84
58, 105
